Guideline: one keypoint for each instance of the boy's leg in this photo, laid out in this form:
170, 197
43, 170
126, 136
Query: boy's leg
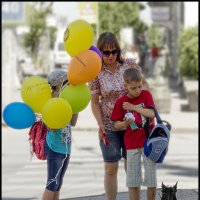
134, 193
150, 177
134, 174
151, 193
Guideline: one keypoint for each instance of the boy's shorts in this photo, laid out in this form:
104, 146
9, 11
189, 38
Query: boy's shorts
115, 150
54, 163
134, 169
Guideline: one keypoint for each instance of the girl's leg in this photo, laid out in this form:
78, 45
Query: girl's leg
48, 195
56, 195
134, 193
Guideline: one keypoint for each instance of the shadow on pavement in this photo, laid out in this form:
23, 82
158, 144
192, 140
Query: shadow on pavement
179, 170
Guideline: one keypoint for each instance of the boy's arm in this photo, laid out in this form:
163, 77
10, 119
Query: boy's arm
121, 125
147, 112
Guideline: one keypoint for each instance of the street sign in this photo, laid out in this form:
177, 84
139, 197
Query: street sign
89, 11
12, 12
160, 13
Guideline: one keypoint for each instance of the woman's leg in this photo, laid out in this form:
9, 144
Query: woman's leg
111, 155
110, 180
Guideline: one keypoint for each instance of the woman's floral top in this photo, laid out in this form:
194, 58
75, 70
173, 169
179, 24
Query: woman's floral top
110, 87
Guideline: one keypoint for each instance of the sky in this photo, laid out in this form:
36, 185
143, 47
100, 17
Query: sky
70, 10
191, 13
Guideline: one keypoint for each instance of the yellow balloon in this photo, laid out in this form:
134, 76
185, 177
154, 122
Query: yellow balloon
35, 92
78, 96
56, 113
78, 37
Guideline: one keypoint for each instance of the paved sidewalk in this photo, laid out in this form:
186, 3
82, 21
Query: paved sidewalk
181, 195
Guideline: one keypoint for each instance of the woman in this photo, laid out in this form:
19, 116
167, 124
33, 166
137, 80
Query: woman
105, 89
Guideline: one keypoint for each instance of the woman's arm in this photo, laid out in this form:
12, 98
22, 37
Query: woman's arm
95, 106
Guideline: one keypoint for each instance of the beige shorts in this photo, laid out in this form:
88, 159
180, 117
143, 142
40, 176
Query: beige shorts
134, 169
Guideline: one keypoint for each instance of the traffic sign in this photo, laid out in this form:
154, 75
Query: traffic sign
12, 12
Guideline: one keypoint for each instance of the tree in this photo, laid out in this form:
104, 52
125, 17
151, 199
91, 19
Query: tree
38, 27
113, 16
154, 35
188, 52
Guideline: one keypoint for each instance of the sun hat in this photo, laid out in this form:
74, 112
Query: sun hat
56, 77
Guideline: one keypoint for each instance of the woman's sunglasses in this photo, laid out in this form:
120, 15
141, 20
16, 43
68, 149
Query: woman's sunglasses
107, 53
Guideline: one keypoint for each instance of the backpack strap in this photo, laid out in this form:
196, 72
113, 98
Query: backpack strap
158, 119
146, 127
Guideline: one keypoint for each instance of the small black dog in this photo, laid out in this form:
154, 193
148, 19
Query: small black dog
169, 193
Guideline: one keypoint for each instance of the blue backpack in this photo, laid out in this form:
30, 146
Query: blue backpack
156, 143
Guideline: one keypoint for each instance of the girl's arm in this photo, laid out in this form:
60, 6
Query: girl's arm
74, 119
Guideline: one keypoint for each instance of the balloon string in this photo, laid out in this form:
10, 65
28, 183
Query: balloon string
55, 179
61, 87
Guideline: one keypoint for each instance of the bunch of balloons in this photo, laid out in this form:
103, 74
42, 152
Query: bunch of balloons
86, 58
36, 92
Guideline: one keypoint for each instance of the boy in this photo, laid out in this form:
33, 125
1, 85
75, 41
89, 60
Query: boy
130, 112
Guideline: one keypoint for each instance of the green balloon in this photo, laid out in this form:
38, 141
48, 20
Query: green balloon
78, 96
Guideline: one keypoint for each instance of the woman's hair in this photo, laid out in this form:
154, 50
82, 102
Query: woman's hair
132, 74
108, 39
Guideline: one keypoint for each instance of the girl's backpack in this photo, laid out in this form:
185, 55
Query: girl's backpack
156, 143
37, 137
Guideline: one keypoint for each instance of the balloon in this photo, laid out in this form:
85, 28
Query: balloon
56, 113
95, 49
78, 96
78, 37
35, 92
18, 115
84, 67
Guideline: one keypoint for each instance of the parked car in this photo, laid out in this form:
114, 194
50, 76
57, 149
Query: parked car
25, 68
61, 57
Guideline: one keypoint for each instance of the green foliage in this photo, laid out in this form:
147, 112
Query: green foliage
154, 35
113, 16
188, 53
38, 26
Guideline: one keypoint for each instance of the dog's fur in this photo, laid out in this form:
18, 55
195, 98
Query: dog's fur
168, 192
